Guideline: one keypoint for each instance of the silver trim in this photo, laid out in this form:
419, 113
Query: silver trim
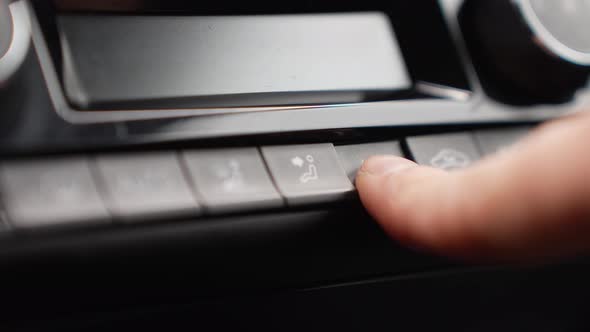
443, 91
11, 61
546, 38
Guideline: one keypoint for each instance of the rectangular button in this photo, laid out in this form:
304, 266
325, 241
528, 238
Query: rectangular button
232, 180
494, 140
50, 192
307, 174
445, 151
353, 156
146, 186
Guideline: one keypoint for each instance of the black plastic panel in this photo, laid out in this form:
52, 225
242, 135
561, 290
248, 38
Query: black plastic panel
536, 299
429, 53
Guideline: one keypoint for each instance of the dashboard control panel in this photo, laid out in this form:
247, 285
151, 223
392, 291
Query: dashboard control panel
167, 185
227, 136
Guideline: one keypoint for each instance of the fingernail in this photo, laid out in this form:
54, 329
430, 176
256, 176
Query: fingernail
383, 165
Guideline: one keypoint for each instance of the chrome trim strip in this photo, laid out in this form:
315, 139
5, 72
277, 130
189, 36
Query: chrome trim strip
11, 61
546, 38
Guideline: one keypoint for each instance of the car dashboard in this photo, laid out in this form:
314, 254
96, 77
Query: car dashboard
174, 164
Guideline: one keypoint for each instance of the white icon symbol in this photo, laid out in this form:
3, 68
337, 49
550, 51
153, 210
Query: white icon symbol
231, 176
448, 159
297, 161
311, 172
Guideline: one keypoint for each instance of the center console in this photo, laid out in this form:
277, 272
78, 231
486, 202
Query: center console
221, 140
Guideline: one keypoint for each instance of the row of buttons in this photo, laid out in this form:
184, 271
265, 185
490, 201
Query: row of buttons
168, 184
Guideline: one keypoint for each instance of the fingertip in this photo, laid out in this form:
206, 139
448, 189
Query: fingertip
374, 177
384, 165
380, 189
405, 199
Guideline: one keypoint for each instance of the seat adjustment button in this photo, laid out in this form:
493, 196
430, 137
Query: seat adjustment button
231, 180
308, 174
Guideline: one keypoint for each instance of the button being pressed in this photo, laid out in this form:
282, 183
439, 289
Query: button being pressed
308, 174
444, 151
353, 156
232, 180
492, 141
50, 193
149, 185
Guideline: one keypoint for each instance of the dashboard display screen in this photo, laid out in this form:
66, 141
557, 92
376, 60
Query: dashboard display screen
120, 61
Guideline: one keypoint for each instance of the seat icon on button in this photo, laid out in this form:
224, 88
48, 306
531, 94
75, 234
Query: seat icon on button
311, 174
307, 174
230, 175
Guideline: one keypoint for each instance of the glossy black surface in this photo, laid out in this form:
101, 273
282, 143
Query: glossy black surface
505, 300
117, 267
29, 122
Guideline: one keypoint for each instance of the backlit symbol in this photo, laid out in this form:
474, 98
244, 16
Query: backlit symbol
297, 161
311, 171
449, 159
231, 176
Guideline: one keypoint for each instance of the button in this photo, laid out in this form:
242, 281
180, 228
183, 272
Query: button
4, 225
144, 186
232, 180
307, 174
352, 157
494, 140
446, 151
50, 192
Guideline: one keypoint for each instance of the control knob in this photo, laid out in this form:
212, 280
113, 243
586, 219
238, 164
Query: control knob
529, 51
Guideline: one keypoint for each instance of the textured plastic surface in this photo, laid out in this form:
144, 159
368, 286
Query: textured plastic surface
50, 193
307, 174
232, 180
146, 186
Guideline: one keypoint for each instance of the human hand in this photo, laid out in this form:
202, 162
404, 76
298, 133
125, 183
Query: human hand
528, 203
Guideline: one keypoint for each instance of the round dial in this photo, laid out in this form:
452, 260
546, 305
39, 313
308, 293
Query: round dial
5, 27
562, 26
529, 51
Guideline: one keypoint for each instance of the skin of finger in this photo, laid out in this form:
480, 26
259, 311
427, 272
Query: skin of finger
539, 193
405, 204
531, 202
